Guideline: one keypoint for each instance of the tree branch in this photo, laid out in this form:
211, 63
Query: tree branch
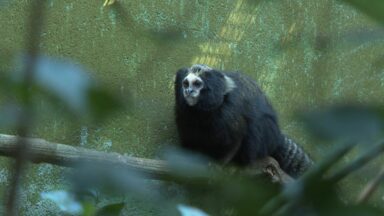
42, 151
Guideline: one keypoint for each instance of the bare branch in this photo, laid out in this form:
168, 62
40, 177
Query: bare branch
42, 151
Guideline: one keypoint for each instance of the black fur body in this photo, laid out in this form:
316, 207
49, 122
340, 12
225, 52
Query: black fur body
238, 126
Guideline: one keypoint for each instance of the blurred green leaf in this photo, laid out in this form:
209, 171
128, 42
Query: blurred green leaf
363, 35
101, 103
12, 87
190, 211
203, 186
311, 197
320, 197
373, 8
64, 200
204, 182
110, 179
187, 164
358, 162
309, 189
9, 115
89, 209
110, 210
227, 193
353, 122
351, 210
71, 85
65, 80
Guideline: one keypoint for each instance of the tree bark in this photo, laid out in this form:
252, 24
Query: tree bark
42, 151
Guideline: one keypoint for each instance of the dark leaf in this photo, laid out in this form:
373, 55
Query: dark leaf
110, 210
101, 103
89, 209
354, 122
352, 210
373, 8
309, 190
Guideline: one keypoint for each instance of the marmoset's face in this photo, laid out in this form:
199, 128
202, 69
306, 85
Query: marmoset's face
192, 85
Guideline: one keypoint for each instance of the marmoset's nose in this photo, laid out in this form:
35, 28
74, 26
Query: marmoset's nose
188, 91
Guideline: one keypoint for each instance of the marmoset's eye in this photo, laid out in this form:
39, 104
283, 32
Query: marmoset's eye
185, 83
197, 84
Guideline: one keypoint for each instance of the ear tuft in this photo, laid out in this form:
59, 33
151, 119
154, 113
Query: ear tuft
198, 68
229, 84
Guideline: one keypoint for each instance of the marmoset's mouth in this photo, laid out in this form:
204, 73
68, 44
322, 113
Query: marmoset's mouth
191, 100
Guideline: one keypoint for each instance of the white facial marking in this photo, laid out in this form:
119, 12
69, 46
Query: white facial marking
229, 84
192, 84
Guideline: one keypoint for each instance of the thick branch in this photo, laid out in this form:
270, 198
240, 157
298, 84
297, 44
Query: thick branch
42, 151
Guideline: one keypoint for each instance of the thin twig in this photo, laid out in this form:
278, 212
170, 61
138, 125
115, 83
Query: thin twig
358, 162
371, 187
32, 39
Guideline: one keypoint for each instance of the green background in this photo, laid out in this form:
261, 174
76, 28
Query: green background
304, 54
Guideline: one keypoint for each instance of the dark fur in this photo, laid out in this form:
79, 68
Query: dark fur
238, 127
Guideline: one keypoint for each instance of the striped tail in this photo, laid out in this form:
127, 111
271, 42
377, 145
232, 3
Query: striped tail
292, 158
